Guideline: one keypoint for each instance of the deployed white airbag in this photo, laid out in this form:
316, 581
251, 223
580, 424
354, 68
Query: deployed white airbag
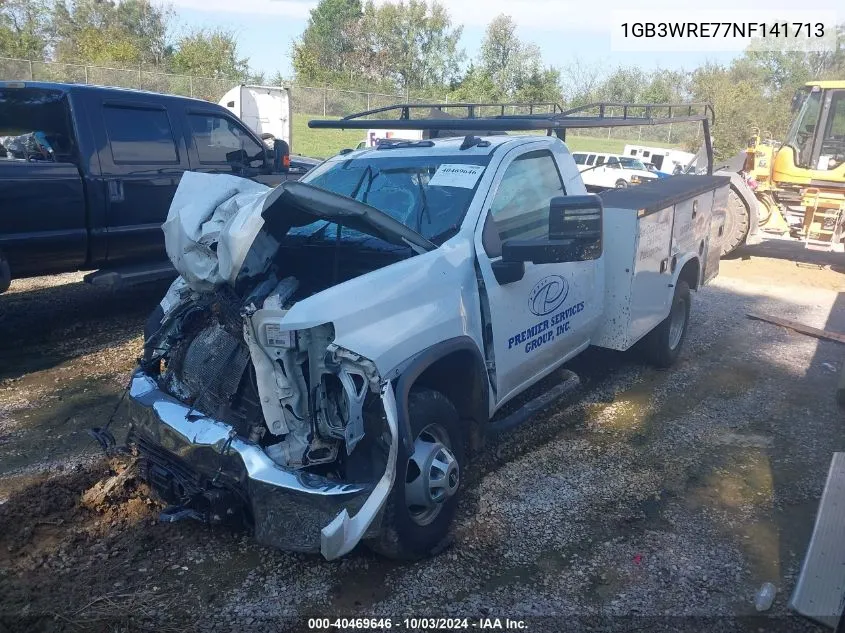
213, 221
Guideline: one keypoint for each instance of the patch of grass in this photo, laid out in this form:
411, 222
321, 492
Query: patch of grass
325, 143
321, 143
609, 145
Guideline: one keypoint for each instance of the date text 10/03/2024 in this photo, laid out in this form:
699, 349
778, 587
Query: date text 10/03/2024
415, 624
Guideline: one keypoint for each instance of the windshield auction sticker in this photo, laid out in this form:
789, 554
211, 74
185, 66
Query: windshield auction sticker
464, 176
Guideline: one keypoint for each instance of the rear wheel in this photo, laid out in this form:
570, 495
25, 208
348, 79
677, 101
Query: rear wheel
663, 344
736, 223
424, 498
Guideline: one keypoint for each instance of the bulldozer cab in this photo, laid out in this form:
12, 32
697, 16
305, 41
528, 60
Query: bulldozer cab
817, 134
809, 170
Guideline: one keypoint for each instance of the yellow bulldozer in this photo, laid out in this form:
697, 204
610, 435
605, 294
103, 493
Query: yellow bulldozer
804, 177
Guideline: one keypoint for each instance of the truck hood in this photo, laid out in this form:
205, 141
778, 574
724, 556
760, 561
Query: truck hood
220, 226
298, 204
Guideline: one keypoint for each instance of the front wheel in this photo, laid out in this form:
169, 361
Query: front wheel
424, 498
621, 184
663, 344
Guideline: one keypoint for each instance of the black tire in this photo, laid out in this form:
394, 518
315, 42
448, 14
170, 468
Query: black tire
402, 537
662, 346
736, 223
621, 184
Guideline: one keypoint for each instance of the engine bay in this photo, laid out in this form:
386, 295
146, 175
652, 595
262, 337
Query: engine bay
227, 353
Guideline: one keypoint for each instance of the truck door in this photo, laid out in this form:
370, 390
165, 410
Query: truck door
42, 197
142, 160
546, 316
220, 144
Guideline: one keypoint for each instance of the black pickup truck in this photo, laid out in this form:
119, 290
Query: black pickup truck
87, 174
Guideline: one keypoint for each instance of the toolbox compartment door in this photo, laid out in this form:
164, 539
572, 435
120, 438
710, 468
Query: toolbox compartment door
716, 234
651, 292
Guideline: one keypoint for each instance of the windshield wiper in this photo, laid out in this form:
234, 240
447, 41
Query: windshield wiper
368, 170
424, 210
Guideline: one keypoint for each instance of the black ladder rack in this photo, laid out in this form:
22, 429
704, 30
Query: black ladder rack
555, 120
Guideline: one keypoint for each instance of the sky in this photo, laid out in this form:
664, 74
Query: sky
564, 30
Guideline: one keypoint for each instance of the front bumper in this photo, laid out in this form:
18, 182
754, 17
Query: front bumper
292, 510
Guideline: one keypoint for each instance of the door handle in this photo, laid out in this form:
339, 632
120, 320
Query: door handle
115, 190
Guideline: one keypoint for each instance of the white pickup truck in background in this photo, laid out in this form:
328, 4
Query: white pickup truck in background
609, 171
336, 349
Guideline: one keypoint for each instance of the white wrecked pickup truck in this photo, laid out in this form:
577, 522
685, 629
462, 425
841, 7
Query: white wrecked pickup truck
335, 348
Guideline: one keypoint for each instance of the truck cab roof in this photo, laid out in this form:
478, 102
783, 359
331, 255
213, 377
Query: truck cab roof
451, 145
71, 87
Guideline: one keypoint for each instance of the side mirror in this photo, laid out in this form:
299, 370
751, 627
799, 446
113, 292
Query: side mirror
237, 157
281, 155
575, 234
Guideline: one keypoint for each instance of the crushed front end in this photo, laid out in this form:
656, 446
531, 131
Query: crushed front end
229, 428
238, 418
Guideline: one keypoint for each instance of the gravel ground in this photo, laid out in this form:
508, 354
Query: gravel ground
649, 500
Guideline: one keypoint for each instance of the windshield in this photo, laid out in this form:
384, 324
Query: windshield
802, 131
632, 163
428, 194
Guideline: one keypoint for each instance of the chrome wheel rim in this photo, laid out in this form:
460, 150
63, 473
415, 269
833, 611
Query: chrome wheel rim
676, 325
432, 475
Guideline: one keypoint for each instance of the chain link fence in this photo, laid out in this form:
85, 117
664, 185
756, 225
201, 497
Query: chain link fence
324, 101
311, 101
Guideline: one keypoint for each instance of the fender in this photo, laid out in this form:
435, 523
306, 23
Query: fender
682, 261
422, 361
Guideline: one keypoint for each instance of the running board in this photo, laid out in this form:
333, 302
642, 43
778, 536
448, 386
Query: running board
131, 275
820, 591
570, 383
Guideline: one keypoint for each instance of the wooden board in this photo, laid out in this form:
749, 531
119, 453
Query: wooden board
836, 337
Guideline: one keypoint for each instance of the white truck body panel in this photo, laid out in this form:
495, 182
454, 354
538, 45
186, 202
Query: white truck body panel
264, 109
642, 272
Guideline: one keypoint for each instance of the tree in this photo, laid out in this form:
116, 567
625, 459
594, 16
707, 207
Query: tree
476, 85
103, 31
736, 103
209, 53
327, 45
24, 26
582, 82
412, 43
501, 55
508, 69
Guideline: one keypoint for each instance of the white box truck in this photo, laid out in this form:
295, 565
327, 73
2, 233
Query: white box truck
666, 160
266, 110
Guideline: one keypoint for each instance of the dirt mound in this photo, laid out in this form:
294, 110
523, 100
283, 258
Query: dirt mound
64, 543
